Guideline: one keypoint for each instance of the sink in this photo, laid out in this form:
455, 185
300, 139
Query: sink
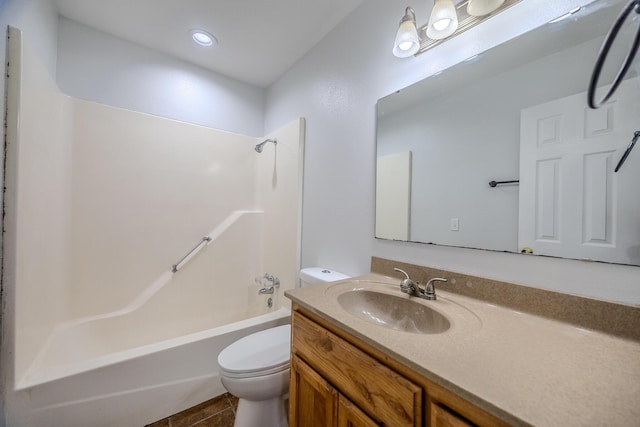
399, 313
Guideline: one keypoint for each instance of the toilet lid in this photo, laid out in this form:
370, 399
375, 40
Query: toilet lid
263, 352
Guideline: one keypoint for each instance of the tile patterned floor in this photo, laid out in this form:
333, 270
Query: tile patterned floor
217, 412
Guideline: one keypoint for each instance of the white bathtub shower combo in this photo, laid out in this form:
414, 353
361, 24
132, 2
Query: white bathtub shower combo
110, 323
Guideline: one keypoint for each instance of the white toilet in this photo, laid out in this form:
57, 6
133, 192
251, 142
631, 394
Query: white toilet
316, 275
256, 368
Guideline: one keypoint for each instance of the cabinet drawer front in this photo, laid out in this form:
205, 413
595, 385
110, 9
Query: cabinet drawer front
442, 417
350, 415
379, 391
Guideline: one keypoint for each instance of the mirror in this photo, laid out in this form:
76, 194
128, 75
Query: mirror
517, 112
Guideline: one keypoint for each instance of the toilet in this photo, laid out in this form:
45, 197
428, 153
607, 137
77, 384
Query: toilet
256, 368
316, 275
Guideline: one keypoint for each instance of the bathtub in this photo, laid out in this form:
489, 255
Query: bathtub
137, 386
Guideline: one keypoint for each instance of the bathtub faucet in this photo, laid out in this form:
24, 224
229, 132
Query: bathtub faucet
268, 282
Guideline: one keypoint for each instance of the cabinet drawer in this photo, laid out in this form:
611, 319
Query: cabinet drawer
384, 395
440, 416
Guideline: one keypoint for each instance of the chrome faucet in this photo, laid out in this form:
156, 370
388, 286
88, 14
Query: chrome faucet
268, 282
412, 288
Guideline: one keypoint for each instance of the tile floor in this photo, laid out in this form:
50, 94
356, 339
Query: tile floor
217, 412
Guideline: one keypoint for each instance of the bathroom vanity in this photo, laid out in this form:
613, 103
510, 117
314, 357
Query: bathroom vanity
352, 365
335, 376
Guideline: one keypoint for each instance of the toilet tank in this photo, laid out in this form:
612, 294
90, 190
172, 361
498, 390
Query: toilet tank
316, 275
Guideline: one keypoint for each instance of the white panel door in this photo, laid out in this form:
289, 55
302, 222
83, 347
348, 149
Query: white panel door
393, 196
572, 204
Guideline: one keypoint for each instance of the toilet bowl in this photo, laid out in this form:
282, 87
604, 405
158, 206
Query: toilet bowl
256, 370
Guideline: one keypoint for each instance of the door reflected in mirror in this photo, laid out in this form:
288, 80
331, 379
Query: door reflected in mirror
517, 115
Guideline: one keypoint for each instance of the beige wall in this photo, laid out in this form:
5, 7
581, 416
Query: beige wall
37, 200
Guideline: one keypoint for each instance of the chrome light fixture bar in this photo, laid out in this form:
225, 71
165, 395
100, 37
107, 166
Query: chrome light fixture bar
444, 24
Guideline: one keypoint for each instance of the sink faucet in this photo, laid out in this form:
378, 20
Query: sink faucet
412, 288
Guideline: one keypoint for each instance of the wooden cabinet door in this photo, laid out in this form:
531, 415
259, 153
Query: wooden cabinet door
313, 402
349, 415
368, 383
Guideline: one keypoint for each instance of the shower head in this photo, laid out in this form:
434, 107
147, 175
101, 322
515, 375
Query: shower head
259, 146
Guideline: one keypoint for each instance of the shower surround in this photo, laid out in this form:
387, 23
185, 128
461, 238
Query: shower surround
100, 204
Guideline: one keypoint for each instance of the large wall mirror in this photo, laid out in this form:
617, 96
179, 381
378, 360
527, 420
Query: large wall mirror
518, 112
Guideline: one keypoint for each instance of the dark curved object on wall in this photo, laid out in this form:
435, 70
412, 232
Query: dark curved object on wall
633, 5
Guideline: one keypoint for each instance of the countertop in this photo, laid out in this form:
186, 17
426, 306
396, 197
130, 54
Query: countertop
523, 368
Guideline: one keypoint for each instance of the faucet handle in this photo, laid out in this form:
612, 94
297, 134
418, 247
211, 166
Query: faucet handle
268, 281
407, 285
406, 275
430, 290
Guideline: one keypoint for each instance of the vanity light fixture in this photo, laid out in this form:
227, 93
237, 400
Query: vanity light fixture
446, 20
482, 7
203, 38
443, 20
407, 41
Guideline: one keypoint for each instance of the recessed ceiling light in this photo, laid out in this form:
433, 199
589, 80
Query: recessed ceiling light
203, 38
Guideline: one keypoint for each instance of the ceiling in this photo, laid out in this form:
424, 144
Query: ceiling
257, 40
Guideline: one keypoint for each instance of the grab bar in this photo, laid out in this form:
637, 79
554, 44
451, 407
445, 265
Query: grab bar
496, 183
636, 135
174, 267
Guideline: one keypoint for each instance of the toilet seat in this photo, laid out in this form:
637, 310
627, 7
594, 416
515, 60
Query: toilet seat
261, 353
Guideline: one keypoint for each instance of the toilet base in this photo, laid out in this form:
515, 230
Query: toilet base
262, 413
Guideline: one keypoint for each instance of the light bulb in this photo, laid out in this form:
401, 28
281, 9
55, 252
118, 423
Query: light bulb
202, 38
441, 24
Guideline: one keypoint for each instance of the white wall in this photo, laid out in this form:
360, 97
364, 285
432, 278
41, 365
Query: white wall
41, 17
96, 66
336, 86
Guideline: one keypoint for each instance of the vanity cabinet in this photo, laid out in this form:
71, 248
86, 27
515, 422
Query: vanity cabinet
338, 380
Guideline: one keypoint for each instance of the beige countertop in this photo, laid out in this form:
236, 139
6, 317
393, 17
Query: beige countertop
520, 367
